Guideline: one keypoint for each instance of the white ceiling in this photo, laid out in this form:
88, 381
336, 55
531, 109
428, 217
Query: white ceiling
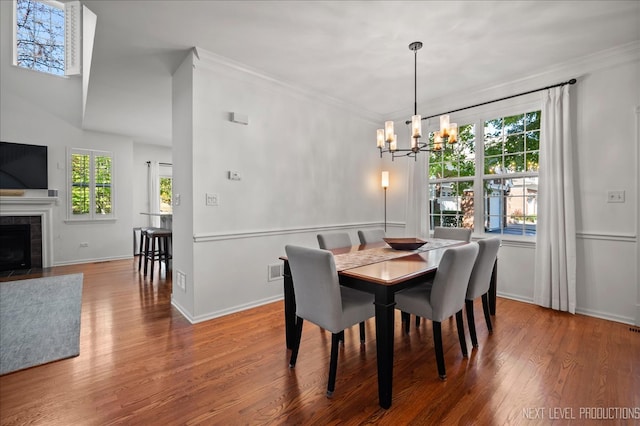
354, 51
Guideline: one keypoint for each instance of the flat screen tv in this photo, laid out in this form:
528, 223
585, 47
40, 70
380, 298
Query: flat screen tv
23, 166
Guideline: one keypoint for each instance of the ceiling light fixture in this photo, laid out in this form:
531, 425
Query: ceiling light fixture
387, 139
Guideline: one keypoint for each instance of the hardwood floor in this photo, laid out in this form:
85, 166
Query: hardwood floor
142, 363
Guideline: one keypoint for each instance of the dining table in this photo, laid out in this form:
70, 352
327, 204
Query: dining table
379, 269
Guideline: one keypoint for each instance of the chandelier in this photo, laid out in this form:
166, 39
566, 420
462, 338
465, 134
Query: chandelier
387, 139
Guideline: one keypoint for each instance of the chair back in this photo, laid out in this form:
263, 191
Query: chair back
450, 233
451, 280
481, 274
334, 240
368, 236
316, 286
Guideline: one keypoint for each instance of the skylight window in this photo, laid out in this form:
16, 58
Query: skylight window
39, 33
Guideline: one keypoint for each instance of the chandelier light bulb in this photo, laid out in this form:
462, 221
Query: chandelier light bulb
416, 126
388, 131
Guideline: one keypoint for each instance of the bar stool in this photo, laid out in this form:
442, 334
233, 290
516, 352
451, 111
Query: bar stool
156, 247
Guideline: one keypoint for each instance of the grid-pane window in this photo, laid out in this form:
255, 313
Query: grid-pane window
102, 186
451, 173
511, 147
493, 188
80, 184
39, 31
512, 144
91, 184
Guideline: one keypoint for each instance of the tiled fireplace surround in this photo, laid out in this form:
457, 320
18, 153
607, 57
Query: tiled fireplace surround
36, 212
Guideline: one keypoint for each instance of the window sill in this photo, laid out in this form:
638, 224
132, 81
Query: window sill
509, 240
85, 221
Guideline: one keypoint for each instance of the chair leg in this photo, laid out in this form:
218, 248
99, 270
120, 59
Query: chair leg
472, 322
417, 321
333, 364
437, 343
146, 254
153, 256
296, 343
406, 320
140, 250
485, 308
461, 336
341, 337
362, 336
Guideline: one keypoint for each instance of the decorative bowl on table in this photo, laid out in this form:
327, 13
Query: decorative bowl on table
405, 243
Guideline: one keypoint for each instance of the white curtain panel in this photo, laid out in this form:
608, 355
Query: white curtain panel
153, 185
555, 259
417, 209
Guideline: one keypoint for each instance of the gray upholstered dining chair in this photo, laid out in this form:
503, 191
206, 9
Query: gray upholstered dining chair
447, 233
479, 283
451, 233
368, 236
333, 240
444, 297
321, 300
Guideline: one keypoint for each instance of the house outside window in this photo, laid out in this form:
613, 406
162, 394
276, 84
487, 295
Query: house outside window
90, 186
493, 189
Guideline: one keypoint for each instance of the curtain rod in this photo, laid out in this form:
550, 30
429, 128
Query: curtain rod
572, 81
162, 164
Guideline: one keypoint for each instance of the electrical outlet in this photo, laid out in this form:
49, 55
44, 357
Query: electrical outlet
212, 199
181, 280
615, 197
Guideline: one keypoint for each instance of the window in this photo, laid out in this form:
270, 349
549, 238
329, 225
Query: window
91, 185
451, 180
40, 36
500, 177
47, 36
166, 181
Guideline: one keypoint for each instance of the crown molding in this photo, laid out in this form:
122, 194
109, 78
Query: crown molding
217, 63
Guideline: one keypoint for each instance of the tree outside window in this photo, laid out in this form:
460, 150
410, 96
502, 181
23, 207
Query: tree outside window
39, 33
504, 168
91, 184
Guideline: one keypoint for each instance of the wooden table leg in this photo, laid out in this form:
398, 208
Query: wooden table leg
385, 310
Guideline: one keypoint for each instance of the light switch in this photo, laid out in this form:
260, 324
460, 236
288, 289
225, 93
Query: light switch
212, 200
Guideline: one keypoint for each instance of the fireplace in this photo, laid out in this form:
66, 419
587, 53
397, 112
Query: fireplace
35, 211
15, 247
20, 242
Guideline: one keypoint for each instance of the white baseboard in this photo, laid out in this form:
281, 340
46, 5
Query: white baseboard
515, 297
223, 312
605, 316
96, 260
183, 311
587, 312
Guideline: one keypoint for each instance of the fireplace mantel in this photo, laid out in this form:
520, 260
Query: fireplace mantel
27, 200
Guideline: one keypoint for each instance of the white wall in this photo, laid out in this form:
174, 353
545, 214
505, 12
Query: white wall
305, 166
